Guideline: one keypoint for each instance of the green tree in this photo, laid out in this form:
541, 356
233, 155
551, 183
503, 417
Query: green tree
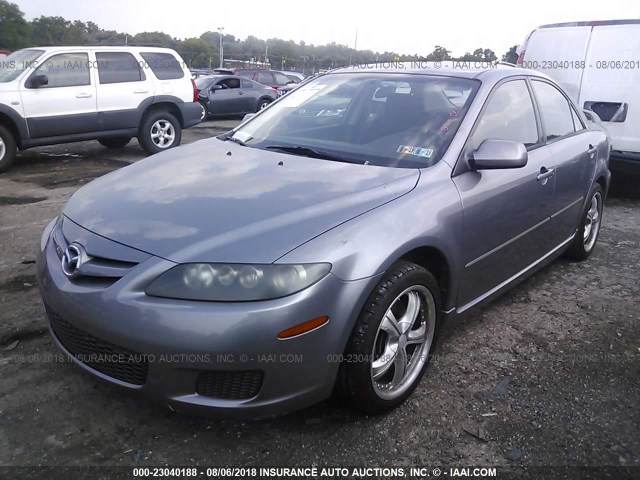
439, 54
154, 38
15, 32
511, 56
196, 52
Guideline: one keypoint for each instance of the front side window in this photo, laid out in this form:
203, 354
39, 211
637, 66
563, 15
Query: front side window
577, 122
12, 66
230, 83
163, 65
118, 67
394, 120
65, 70
554, 109
508, 115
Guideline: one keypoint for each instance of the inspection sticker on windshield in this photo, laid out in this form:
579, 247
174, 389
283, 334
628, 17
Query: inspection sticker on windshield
417, 151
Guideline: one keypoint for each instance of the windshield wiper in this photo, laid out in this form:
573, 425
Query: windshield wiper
311, 153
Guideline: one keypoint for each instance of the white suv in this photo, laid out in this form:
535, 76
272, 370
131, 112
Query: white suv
66, 94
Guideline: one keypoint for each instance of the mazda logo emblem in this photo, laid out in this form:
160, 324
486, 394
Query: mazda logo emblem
72, 259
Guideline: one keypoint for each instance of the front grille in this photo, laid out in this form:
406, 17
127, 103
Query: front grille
114, 361
230, 385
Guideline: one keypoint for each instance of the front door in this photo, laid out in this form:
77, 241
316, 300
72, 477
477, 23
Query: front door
506, 212
66, 105
226, 97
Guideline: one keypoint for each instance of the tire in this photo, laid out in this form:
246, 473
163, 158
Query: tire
205, 114
159, 131
7, 149
263, 103
115, 142
587, 235
371, 343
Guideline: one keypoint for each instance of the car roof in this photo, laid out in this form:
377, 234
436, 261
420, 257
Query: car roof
119, 48
593, 23
451, 68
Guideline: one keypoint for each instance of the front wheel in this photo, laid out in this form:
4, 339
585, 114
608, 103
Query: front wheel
586, 236
160, 131
389, 349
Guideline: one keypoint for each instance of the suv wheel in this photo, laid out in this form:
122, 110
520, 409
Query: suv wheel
115, 142
7, 149
159, 132
389, 349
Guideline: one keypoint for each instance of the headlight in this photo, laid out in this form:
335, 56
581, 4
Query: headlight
235, 282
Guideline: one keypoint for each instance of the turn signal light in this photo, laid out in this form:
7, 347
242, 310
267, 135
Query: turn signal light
303, 328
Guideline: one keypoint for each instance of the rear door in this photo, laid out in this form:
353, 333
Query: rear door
173, 78
506, 212
67, 104
574, 151
611, 80
122, 87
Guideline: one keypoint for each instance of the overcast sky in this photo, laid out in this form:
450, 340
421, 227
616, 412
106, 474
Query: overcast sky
404, 27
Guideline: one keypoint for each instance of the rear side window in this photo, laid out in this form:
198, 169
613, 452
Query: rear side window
265, 77
118, 67
65, 70
556, 113
509, 115
163, 65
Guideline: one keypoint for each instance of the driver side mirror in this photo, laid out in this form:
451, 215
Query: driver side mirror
38, 81
216, 87
498, 154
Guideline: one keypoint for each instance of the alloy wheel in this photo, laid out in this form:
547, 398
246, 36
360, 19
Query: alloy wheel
403, 342
592, 222
163, 134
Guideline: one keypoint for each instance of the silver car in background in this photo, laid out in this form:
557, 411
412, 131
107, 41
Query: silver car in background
319, 246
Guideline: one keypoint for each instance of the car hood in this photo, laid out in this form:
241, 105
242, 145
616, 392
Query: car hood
216, 201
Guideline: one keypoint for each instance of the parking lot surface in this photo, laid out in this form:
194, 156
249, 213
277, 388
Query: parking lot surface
549, 374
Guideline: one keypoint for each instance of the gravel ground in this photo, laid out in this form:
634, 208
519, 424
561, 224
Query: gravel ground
547, 375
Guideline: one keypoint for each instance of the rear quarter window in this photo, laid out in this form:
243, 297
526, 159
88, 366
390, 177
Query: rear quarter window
163, 65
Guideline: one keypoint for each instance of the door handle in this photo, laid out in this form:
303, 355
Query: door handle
84, 95
141, 91
240, 93
592, 151
546, 173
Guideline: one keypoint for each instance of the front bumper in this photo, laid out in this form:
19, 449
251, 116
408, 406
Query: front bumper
181, 341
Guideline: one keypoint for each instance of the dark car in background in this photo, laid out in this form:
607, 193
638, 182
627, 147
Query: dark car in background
231, 95
271, 78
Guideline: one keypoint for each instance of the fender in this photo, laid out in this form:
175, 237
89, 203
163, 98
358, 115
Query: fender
18, 121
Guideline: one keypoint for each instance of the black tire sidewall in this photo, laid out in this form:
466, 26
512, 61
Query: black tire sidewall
357, 383
10, 148
144, 137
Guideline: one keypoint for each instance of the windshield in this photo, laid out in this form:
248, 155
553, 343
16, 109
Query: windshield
12, 66
381, 119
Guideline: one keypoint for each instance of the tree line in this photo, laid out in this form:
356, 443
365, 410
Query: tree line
203, 52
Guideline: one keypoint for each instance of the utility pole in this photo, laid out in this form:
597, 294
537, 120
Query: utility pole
220, 30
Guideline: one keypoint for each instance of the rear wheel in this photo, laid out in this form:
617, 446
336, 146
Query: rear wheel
263, 103
587, 235
160, 131
204, 114
389, 348
115, 142
7, 149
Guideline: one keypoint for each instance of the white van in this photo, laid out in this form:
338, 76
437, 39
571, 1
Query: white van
598, 65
